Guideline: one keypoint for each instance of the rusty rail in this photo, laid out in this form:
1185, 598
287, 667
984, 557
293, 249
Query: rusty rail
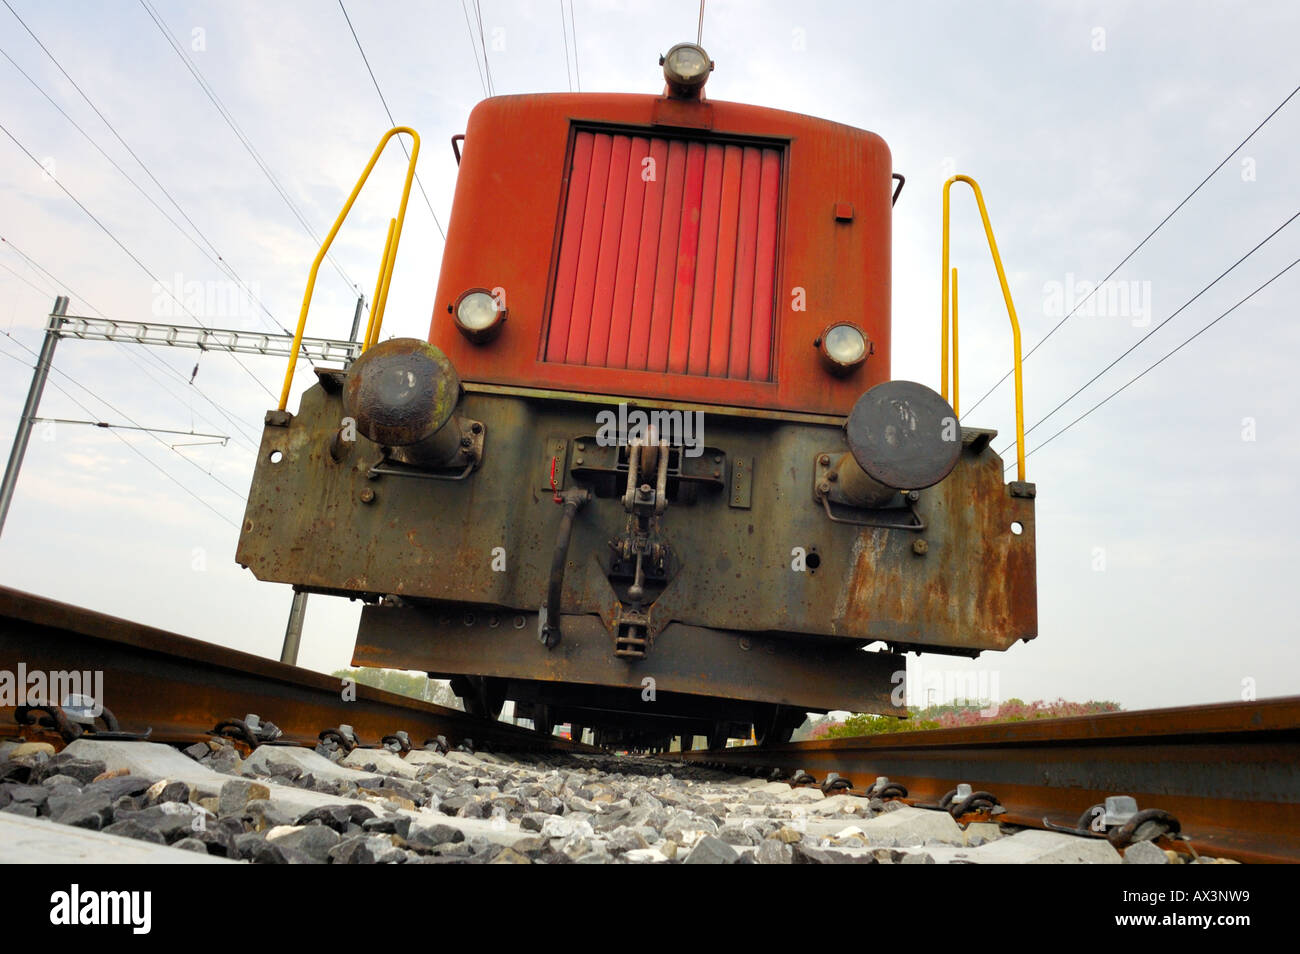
181, 688
1230, 772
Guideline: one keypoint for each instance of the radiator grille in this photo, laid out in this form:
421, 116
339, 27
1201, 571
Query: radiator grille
667, 257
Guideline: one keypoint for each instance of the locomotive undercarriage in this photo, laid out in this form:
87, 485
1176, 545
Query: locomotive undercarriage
737, 586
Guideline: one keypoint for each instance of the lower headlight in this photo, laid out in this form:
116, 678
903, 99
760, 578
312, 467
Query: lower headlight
843, 347
479, 315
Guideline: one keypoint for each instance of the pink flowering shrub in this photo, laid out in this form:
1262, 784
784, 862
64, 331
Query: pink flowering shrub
823, 729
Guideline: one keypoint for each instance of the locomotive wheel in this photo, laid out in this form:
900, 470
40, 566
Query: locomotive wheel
775, 725
718, 737
542, 719
575, 732
483, 696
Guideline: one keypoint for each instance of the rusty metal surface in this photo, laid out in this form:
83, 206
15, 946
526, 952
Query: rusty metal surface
685, 659
1229, 772
181, 687
328, 526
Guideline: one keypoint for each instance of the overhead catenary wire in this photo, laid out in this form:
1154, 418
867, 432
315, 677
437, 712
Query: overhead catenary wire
247, 438
209, 252
135, 450
113, 129
573, 29
482, 42
98, 112
27, 280
126, 175
60, 284
1133, 347
1164, 358
135, 258
564, 32
391, 121
8, 243
473, 47
243, 138
120, 413
237, 435
131, 427
23, 278
1136, 248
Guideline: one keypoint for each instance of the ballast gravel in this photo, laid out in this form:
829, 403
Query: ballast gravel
462, 807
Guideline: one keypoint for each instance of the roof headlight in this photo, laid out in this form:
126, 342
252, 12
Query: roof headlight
686, 68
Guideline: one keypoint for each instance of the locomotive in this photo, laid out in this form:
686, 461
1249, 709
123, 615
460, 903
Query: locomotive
650, 473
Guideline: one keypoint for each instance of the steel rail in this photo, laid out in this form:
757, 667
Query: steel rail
180, 688
1230, 772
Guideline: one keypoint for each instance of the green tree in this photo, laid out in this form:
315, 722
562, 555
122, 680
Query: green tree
955, 716
413, 684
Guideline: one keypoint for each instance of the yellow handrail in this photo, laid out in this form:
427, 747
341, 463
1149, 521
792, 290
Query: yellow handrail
379, 284
381, 302
380, 297
1011, 313
956, 390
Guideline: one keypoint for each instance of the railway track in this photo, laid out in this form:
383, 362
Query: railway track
179, 688
1229, 773
1223, 780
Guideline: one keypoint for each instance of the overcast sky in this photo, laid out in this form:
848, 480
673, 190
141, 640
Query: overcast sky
1167, 519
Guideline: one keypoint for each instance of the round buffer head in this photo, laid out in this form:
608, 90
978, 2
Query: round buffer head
904, 435
401, 392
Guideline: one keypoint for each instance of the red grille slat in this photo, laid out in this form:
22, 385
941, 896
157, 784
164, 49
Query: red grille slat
570, 244
668, 257
751, 171
661, 315
634, 197
647, 258
688, 244
724, 287
706, 262
610, 240
589, 254
760, 334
